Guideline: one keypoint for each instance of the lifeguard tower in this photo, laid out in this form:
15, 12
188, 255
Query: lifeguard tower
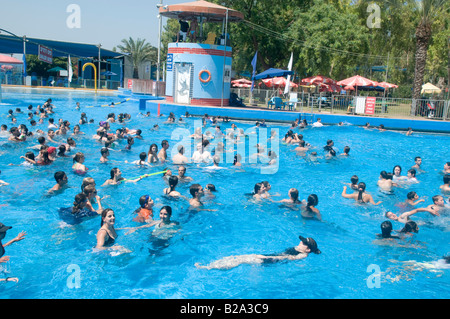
199, 73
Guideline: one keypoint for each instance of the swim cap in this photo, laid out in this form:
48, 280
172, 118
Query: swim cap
310, 243
51, 150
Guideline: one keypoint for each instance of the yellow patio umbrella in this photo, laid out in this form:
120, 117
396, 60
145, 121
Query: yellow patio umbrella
430, 88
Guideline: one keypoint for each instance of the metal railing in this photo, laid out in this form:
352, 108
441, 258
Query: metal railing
348, 104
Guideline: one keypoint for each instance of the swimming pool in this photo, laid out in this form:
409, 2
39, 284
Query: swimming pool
351, 262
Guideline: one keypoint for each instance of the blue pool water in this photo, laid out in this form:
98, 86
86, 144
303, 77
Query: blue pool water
161, 268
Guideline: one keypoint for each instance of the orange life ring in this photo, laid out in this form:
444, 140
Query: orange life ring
204, 80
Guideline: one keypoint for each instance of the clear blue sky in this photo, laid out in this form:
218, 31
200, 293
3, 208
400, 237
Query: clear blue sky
101, 21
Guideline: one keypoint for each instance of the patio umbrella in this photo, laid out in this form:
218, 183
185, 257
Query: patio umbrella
387, 85
56, 69
272, 73
430, 88
356, 81
108, 73
278, 82
6, 67
317, 80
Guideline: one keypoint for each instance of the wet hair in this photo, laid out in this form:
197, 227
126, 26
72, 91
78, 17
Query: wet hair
164, 142
393, 170
151, 146
89, 189
173, 181
104, 151
412, 171
168, 209
41, 139
194, 189
86, 181
383, 174
29, 155
78, 201
257, 187
446, 178
59, 176
354, 179
113, 172
312, 201
386, 229
435, 198
411, 195
410, 227
104, 213
237, 158
416, 158
294, 195
142, 156
346, 149
211, 187
78, 156
361, 189
61, 150
143, 200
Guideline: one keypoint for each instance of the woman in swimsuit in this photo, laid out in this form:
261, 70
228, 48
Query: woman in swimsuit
361, 196
106, 235
309, 210
153, 154
170, 191
302, 250
78, 166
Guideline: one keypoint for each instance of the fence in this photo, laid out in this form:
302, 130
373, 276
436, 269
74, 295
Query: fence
348, 104
156, 88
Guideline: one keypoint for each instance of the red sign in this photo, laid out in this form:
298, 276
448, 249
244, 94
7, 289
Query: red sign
130, 83
45, 54
370, 105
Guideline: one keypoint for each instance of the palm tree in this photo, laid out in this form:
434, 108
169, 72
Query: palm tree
139, 51
428, 11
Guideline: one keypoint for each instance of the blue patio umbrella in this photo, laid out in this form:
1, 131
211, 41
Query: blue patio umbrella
108, 73
272, 73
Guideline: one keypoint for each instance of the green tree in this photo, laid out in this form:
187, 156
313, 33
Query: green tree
139, 50
329, 39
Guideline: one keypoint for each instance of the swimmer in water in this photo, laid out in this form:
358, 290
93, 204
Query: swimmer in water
405, 217
181, 175
61, 181
116, 178
293, 197
412, 199
78, 166
145, 211
361, 196
397, 177
309, 210
411, 177
106, 235
301, 251
386, 230
258, 191
438, 205
417, 164
170, 191
104, 155
385, 181
445, 188
196, 191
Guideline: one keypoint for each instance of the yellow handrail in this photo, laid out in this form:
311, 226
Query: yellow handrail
95, 73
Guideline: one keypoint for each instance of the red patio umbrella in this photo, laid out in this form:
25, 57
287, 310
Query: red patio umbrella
241, 83
387, 85
317, 80
278, 82
356, 81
